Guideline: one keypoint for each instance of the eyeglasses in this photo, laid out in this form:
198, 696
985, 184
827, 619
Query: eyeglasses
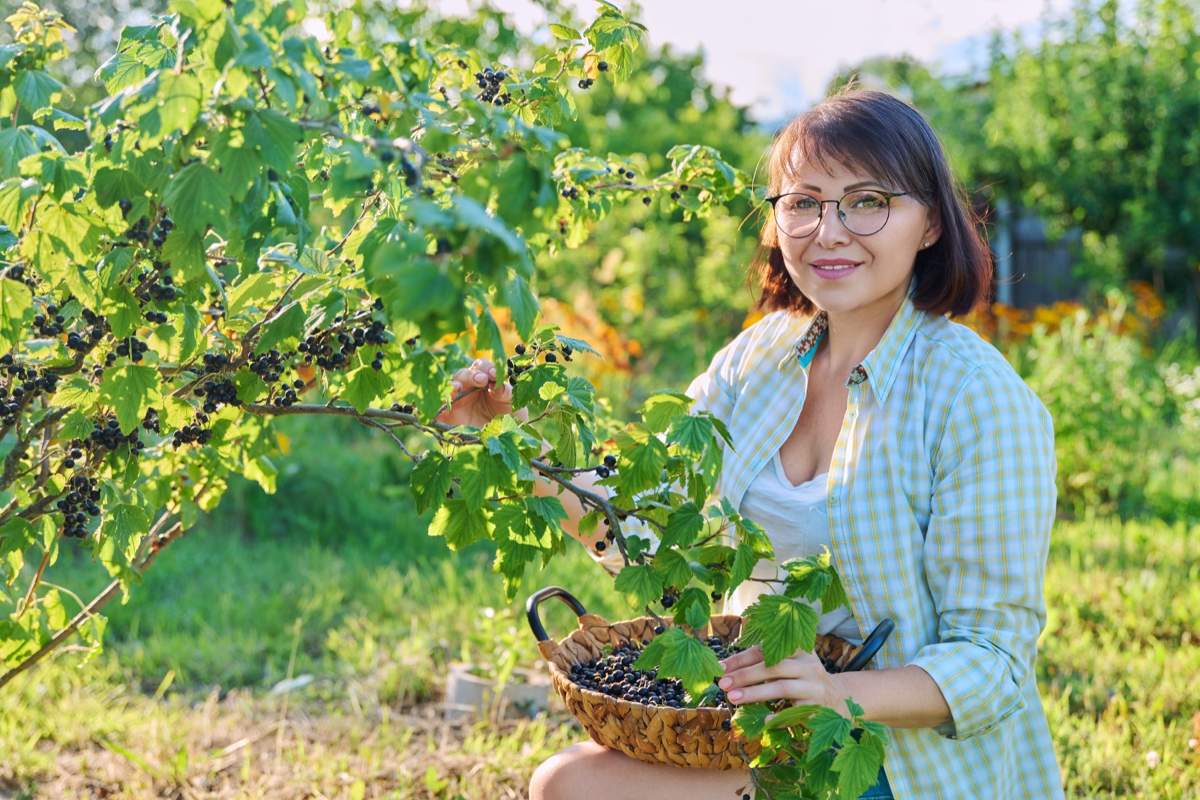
863, 212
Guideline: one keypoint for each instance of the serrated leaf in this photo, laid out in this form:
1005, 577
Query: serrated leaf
683, 524
791, 716
429, 480
641, 584
522, 303
781, 625
690, 433
643, 464
125, 525
694, 606
15, 302
673, 566
750, 719
130, 389
567, 34
744, 560
683, 657
366, 384
857, 765
197, 197
660, 408
828, 728
462, 525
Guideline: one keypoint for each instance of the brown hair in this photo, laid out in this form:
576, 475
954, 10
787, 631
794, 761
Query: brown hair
880, 135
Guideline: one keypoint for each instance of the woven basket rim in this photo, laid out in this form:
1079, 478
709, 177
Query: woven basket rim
554, 668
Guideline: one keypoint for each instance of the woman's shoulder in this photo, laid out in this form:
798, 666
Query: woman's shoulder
950, 348
960, 366
759, 337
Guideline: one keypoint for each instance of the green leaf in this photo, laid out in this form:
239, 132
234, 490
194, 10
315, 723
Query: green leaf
462, 525
197, 197
126, 524
744, 560
366, 384
548, 509
35, 88
640, 583
694, 606
683, 524
828, 728
750, 719
429, 480
523, 304
177, 107
15, 144
16, 196
263, 471
673, 566
659, 409
248, 292
644, 462
791, 716
781, 625
275, 137
858, 765
15, 300
567, 34
15, 536
130, 389
690, 433
683, 657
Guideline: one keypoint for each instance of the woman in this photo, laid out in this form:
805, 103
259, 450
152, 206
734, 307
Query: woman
865, 420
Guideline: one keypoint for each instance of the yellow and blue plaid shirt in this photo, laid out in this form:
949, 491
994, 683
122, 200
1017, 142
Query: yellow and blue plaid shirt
941, 498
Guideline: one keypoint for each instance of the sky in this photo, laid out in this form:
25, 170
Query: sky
777, 56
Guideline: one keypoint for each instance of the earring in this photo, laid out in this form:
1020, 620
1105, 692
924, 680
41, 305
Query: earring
924, 244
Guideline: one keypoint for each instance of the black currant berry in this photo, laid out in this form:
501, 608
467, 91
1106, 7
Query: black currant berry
520, 349
646, 201
602, 66
610, 461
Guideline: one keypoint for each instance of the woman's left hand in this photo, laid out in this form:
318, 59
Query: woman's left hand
802, 679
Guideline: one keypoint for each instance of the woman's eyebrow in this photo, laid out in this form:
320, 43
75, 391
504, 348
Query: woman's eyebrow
858, 185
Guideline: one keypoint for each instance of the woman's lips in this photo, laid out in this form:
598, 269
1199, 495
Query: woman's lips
835, 271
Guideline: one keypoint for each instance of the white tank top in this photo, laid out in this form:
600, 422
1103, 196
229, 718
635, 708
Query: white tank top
797, 524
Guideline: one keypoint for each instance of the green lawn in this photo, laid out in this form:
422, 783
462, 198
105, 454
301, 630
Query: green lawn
181, 697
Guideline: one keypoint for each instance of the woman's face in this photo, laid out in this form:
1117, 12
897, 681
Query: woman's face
884, 259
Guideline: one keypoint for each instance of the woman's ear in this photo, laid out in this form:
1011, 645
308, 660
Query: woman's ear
933, 230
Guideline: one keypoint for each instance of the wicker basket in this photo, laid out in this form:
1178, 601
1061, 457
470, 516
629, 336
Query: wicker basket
685, 737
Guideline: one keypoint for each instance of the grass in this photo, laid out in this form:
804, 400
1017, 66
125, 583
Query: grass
180, 704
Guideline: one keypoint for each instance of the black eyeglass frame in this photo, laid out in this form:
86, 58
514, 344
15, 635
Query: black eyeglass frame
838, 203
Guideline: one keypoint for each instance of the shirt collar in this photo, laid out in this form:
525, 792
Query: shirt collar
880, 365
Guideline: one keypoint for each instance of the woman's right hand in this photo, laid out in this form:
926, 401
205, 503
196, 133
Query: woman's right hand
477, 399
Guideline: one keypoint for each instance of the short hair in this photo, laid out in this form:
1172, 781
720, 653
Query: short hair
880, 135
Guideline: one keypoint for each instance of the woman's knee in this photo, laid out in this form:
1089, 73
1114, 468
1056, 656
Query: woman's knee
570, 773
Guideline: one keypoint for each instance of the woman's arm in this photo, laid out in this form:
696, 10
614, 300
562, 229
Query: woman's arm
992, 511
902, 698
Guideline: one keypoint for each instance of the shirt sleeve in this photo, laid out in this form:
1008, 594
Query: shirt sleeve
992, 511
712, 391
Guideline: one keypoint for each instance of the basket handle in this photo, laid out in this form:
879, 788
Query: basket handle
871, 645
535, 599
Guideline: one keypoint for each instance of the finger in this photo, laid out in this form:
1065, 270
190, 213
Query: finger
794, 689
738, 660
803, 666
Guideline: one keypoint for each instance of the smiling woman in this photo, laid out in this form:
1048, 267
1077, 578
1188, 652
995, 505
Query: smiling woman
866, 421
